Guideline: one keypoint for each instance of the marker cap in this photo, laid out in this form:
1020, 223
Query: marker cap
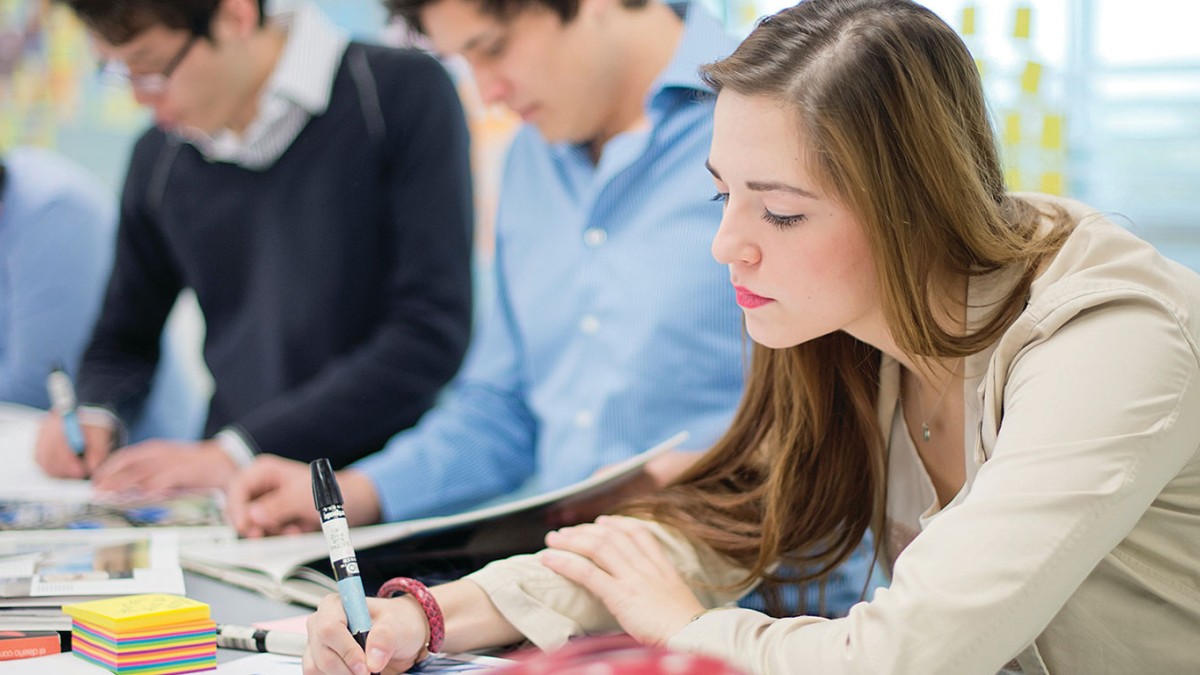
324, 484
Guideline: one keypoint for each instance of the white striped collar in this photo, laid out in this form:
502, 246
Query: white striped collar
310, 59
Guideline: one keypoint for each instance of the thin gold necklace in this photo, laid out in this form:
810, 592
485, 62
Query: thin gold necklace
925, 430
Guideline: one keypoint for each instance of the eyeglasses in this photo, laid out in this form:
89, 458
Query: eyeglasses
147, 83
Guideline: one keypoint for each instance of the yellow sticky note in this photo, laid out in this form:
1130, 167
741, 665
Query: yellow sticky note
1053, 183
748, 13
979, 67
968, 20
1024, 19
1012, 178
1052, 131
1012, 128
8, 131
1031, 78
132, 612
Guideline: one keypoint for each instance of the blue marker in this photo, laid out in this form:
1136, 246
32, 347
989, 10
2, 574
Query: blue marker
327, 497
62, 401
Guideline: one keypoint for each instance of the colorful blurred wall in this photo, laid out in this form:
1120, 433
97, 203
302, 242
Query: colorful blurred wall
1097, 99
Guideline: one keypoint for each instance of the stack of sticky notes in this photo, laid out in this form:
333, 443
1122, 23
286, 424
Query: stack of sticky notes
153, 634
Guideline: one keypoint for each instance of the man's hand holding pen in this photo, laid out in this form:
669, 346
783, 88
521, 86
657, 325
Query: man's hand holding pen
56, 456
149, 466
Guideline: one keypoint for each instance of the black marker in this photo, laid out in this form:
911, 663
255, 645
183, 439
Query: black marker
250, 639
327, 497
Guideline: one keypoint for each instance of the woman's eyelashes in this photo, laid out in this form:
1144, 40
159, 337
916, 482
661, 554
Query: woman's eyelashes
782, 221
778, 220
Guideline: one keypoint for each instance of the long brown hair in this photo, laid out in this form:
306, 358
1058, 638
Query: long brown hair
891, 109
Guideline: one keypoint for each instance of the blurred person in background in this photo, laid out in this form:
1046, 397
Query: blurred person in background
612, 327
57, 228
314, 193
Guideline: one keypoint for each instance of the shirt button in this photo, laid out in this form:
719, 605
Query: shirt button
583, 419
589, 325
594, 237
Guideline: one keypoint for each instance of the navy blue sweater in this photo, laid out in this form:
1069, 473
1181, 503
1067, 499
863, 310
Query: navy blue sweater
335, 285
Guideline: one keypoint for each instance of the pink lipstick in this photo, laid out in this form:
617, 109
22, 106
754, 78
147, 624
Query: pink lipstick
749, 300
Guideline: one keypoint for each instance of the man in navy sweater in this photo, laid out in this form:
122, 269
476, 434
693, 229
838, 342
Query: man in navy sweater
315, 195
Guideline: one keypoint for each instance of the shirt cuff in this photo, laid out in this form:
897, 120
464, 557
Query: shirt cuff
99, 416
96, 416
236, 446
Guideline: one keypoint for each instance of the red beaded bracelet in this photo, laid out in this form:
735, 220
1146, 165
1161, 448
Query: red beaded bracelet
433, 611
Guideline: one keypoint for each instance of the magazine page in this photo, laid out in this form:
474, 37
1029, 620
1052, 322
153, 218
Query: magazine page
273, 566
53, 569
269, 564
33, 501
201, 513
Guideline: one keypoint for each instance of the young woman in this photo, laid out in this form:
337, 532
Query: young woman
1004, 387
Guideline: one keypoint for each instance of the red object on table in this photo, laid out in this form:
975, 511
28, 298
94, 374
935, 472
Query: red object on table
24, 644
620, 655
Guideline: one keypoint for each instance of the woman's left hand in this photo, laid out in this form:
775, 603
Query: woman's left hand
621, 562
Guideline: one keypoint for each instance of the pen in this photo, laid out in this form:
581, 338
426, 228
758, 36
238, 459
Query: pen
62, 401
327, 497
250, 639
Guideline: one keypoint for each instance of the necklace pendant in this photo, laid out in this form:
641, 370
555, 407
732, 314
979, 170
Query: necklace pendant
925, 431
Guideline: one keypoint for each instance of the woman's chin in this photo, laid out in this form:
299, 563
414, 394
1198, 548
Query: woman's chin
771, 339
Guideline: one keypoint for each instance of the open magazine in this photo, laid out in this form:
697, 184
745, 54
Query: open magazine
31, 501
296, 568
197, 516
41, 572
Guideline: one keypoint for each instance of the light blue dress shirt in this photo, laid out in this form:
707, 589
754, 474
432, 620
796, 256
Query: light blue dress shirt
612, 326
56, 237
57, 230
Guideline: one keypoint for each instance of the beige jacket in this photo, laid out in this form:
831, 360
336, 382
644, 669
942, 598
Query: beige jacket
1074, 545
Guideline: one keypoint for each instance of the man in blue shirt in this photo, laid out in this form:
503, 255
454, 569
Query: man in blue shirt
57, 225
612, 326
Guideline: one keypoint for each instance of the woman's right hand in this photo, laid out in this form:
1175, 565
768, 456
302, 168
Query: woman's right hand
398, 637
